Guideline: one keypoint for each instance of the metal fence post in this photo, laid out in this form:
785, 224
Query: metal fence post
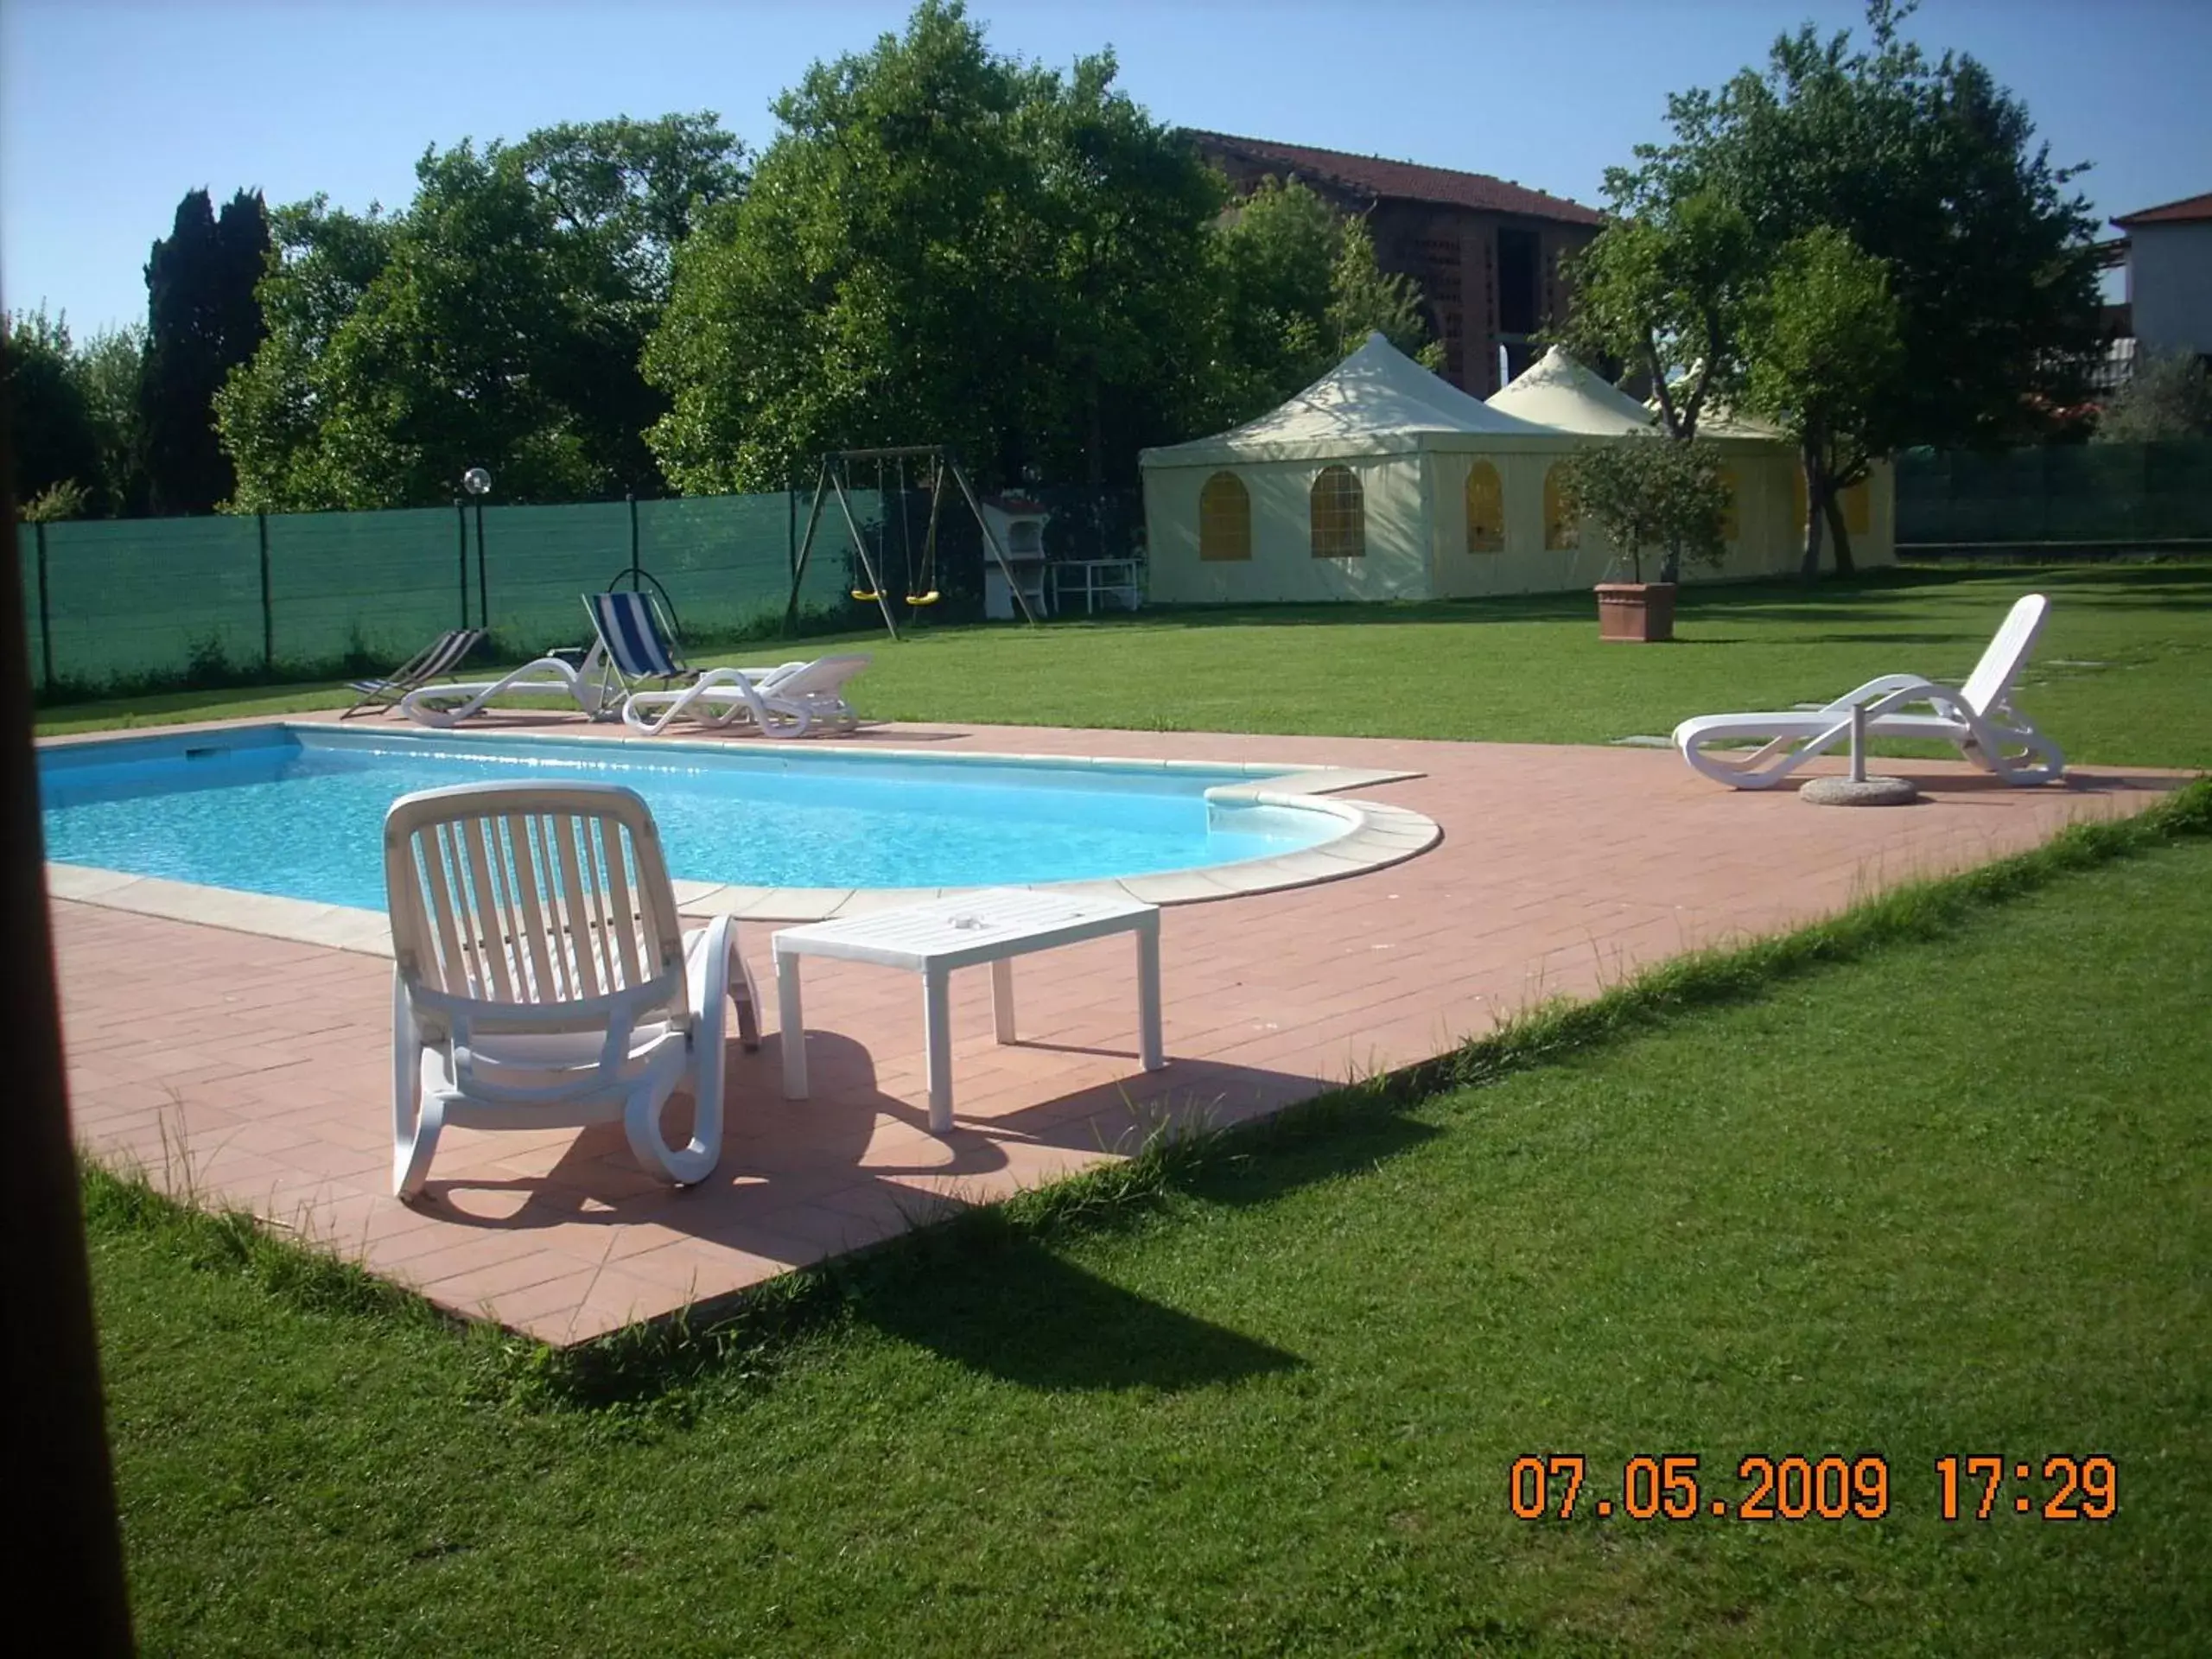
268, 615
460, 517
483, 585
45, 613
631, 496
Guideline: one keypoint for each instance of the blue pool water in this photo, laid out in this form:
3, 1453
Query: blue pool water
299, 812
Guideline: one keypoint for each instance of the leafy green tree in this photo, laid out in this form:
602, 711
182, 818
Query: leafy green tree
1825, 349
497, 321
1123, 215
2169, 397
941, 244
110, 368
51, 431
202, 320
1665, 293
1296, 289
1652, 492
57, 502
273, 410
1924, 164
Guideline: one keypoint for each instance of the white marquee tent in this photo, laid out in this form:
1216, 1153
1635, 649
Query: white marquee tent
1383, 481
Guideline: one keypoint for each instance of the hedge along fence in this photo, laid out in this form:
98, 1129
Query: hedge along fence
137, 602
2097, 495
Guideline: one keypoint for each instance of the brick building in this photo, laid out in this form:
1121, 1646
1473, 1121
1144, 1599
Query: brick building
1485, 252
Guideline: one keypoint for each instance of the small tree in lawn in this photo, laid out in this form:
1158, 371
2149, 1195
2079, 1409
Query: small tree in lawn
2169, 397
1665, 494
1825, 354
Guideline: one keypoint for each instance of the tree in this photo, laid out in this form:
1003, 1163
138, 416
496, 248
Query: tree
1924, 165
941, 244
272, 410
53, 437
497, 321
1824, 351
1665, 293
202, 320
110, 368
2169, 397
1650, 491
1296, 287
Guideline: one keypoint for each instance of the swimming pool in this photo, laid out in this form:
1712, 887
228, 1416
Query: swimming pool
297, 811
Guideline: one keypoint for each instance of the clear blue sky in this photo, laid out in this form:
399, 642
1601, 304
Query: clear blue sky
111, 110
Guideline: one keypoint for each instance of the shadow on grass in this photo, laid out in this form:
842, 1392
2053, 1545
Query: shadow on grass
1028, 1316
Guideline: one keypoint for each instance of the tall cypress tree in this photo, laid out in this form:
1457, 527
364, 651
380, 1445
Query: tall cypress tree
202, 319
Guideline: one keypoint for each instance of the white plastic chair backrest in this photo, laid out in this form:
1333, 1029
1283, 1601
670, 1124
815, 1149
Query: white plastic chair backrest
523, 896
1991, 683
823, 674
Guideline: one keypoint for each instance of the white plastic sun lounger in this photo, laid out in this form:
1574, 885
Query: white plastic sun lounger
452, 705
1978, 717
786, 701
540, 979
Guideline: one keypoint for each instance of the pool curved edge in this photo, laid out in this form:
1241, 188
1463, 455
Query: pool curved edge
1375, 836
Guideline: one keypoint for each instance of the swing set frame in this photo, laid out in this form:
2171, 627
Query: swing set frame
834, 481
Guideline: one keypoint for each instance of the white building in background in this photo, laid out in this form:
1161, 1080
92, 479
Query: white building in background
2169, 252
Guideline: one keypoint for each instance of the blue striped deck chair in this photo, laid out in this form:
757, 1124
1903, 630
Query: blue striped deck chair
638, 648
441, 656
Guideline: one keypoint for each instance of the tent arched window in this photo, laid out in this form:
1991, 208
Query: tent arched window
1485, 509
1225, 518
1731, 515
1338, 514
1562, 528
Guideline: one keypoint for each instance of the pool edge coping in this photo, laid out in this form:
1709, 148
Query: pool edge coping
1379, 836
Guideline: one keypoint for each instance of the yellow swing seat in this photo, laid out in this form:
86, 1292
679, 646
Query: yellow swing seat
930, 598
866, 596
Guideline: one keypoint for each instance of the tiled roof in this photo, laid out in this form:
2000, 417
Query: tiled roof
2188, 209
1403, 180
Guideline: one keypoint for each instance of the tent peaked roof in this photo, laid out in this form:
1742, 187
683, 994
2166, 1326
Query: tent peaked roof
1378, 399
1557, 391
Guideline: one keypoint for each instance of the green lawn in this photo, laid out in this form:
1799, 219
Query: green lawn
1944, 1186
2119, 678
1951, 1196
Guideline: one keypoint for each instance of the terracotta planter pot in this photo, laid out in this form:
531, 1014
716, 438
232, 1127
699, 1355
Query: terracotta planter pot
1640, 611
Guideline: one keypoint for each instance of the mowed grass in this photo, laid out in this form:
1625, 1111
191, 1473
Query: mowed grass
1951, 1197
2119, 676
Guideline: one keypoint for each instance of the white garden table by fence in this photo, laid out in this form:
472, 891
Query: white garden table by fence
993, 924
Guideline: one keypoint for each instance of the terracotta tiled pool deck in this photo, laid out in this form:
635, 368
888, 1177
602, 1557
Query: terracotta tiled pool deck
256, 1071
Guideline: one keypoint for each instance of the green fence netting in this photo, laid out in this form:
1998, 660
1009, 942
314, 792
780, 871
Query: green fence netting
149, 596
2114, 495
377, 585
169, 600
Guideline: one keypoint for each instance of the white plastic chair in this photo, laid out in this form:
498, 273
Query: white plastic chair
786, 701
1978, 717
540, 977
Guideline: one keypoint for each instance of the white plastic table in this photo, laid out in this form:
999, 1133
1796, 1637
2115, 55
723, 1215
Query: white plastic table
1113, 579
994, 925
